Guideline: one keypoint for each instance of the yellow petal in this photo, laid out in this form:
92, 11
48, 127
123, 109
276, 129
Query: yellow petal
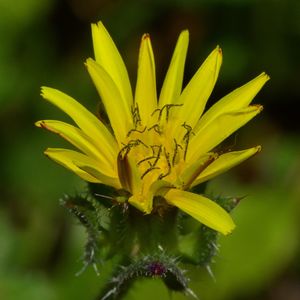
128, 173
191, 172
88, 122
219, 129
65, 158
79, 139
143, 199
172, 85
94, 171
238, 99
198, 90
142, 202
145, 92
117, 110
108, 56
202, 209
82, 165
225, 162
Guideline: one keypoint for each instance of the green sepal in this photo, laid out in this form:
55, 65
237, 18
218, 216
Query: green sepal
83, 210
120, 239
131, 231
155, 229
199, 247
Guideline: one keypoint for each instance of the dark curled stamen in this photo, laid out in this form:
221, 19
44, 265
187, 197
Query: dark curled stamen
131, 144
188, 131
177, 146
137, 142
153, 148
155, 111
158, 155
186, 137
186, 149
136, 130
149, 170
167, 155
136, 115
166, 107
154, 155
156, 128
146, 159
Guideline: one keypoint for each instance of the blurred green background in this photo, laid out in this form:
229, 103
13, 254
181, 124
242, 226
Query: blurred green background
45, 42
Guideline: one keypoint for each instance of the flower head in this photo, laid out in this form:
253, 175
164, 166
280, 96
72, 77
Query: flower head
159, 147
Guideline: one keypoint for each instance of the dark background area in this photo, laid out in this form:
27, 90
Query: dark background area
46, 42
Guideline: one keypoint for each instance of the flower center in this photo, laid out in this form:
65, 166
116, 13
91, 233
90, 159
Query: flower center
154, 148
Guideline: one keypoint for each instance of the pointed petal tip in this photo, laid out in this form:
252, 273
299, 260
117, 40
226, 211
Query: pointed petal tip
145, 36
184, 37
89, 60
94, 25
43, 90
258, 148
264, 76
227, 227
43, 124
91, 63
254, 107
97, 25
259, 107
218, 50
46, 152
88, 63
228, 230
184, 33
217, 55
38, 124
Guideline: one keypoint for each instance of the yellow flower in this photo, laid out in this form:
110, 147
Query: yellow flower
159, 146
